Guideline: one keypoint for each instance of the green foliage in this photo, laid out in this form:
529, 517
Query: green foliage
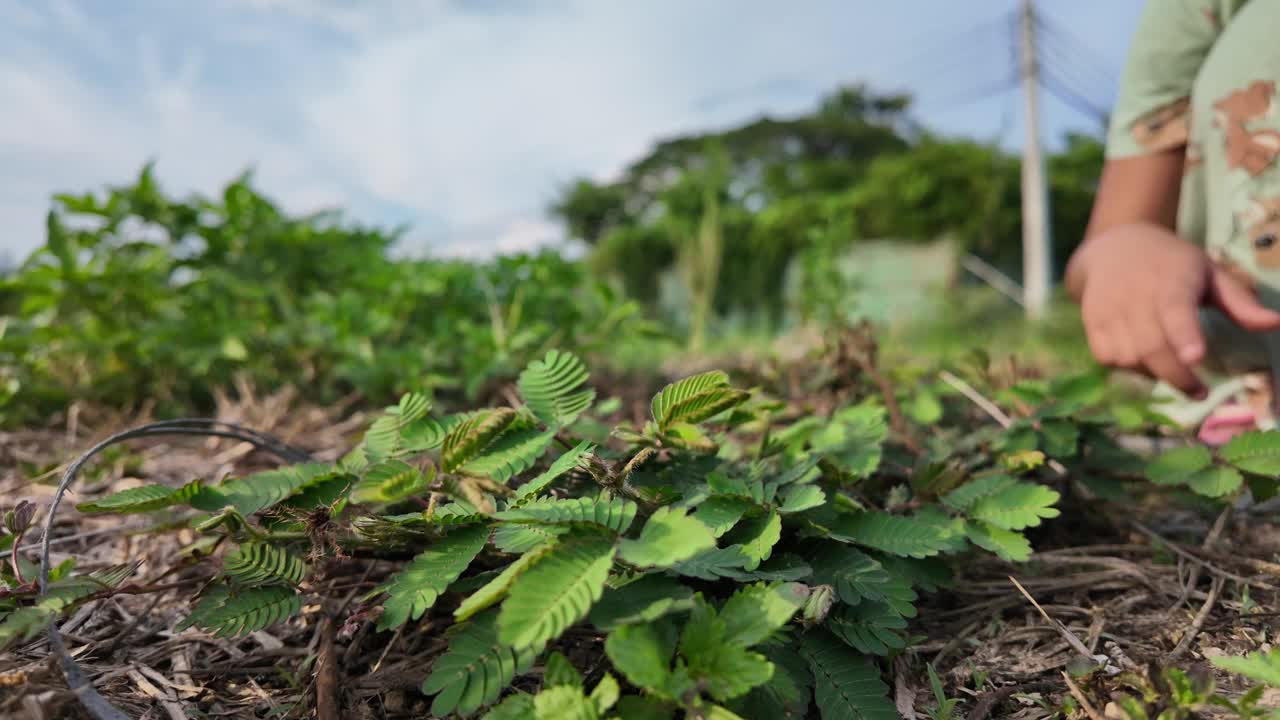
147, 498
258, 563
228, 612
731, 557
846, 685
695, 399
414, 590
552, 388
556, 591
476, 668
137, 296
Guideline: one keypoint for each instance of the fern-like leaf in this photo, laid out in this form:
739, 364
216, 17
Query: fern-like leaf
694, 399
552, 389
384, 436
1256, 452
669, 536
1016, 507
147, 498
557, 591
964, 497
389, 481
607, 511
472, 435
871, 627
476, 668
266, 489
233, 613
1008, 545
511, 454
258, 563
497, 588
753, 613
564, 702
641, 601
413, 591
894, 534
574, 458
846, 685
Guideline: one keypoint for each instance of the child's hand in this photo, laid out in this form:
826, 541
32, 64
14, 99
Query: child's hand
1141, 287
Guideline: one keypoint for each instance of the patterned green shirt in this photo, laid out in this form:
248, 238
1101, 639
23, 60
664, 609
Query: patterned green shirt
1201, 78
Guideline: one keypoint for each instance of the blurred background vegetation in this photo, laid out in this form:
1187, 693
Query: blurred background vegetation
710, 244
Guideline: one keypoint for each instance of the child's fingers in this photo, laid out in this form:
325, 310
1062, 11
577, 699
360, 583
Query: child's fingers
1157, 355
1180, 318
1241, 304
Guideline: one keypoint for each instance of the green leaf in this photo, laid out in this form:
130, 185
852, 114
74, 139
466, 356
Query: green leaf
259, 563
1174, 467
1256, 452
694, 399
669, 536
497, 588
559, 671
563, 702
551, 389
722, 512
384, 436
147, 498
1257, 666
757, 536
857, 576
1061, 438
613, 513
476, 668
925, 407
634, 707
389, 481
1216, 482
571, 459
518, 706
640, 601
1018, 506
755, 612
870, 627
642, 653
716, 663
557, 591
471, 436
413, 590
847, 685
854, 438
511, 454
519, 538
1008, 545
269, 488
894, 534
798, 498
713, 564
788, 692
964, 497
605, 694
228, 613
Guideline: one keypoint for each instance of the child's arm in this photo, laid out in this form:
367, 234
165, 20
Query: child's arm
1140, 286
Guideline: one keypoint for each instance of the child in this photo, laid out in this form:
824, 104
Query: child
1179, 273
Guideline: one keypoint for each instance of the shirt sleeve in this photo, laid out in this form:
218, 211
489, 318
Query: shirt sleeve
1172, 39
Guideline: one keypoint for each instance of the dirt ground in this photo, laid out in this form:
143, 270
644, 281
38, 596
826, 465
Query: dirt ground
1131, 587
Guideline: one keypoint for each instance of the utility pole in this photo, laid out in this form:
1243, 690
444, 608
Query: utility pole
1037, 254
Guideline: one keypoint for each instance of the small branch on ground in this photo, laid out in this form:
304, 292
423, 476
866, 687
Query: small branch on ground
328, 705
1080, 698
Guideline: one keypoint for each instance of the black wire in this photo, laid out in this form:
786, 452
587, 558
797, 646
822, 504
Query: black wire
1075, 74
1072, 52
1072, 98
79, 683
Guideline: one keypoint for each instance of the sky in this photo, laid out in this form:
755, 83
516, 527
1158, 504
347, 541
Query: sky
461, 119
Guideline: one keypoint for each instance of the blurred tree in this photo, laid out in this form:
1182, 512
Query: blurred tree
855, 167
